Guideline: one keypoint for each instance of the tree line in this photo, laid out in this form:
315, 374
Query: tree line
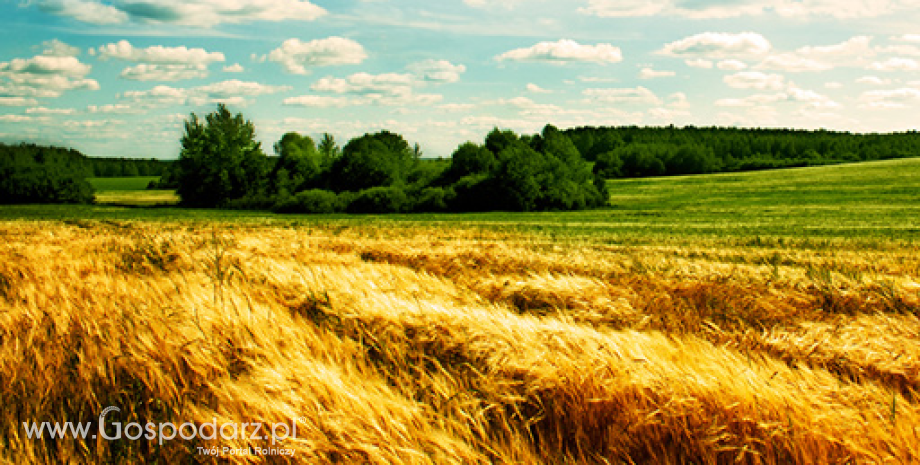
221, 165
662, 151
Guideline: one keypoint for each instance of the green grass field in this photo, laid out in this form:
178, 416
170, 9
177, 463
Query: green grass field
131, 191
133, 183
824, 205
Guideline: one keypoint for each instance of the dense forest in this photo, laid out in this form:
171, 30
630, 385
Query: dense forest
639, 152
222, 165
31, 173
36, 174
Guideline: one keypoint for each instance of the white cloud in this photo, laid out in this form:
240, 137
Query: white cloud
896, 64
363, 83
318, 101
841, 9
202, 13
649, 73
624, 8
17, 102
531, 87
810, 97
87, 11
296, 56
47, 65
234, 68
833, 85
529, 107
123, 50
792, 93
896, 98
638, 95
23, 119
678, 100
912, 38
754, 80
873, 81
110, 108
158, 72
564, 51
457, 107
56, 48
158, 63
731, 65
44, 76
699, 63
391, 89
716, 45
793, 63
231, 92
852, 52
441, 71
753, 100
50, 111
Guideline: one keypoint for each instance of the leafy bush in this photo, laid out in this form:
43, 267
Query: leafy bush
42, 184
380, 199
434, 199
310, 201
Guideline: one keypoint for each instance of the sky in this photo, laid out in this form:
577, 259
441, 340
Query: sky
119, 77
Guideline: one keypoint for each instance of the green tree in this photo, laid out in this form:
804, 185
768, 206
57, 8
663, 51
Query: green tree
329, 151
381, 159
298, 165
220, 159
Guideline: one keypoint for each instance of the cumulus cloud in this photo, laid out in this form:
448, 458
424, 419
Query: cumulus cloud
56, 48
234, 68
87, 11
753, 100
529, 107
731, 65
44, 76
873, 81
391, 89
158, 72
896, 64
754, 80
895, 98
717, 45
639, 95
158, 63
50, 111
200, 13
17, 102
123, 50
624, 9
296, 56
231, 92
841, 9
564, 51
699, 63
649, 73
792, 93
793, 63
363, 83
531, 87
318, 101
852, 52
440, 71
111, 108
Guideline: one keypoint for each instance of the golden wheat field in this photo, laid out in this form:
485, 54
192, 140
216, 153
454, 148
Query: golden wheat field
462, 345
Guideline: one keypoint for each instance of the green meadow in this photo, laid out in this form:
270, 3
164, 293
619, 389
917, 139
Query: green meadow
862, 202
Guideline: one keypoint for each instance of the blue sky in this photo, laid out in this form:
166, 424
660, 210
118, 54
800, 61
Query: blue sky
118, 77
